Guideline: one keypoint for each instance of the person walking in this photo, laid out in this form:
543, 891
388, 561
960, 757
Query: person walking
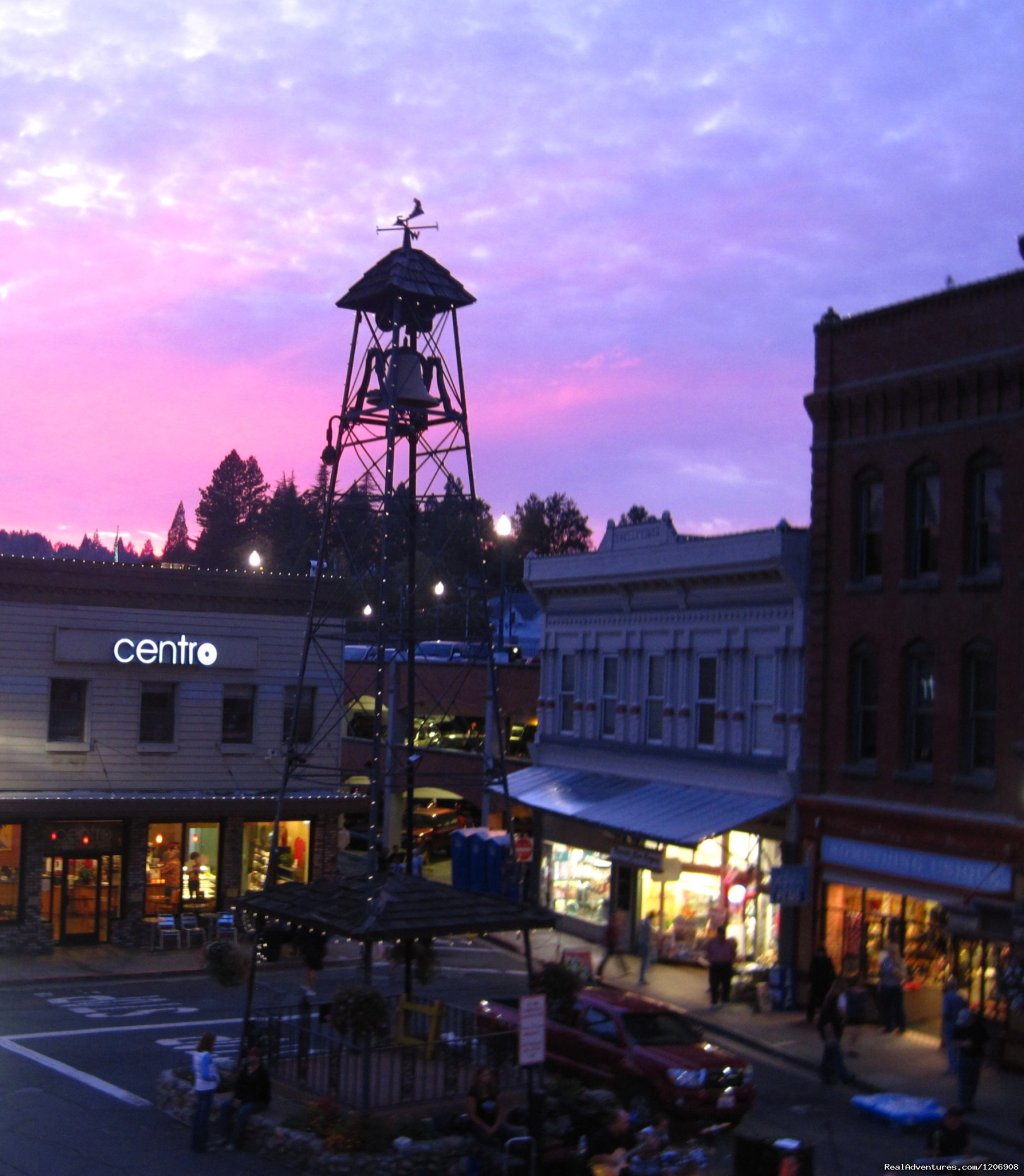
205, 1079
892, 973
721, 957
644, 942
251, 1094
831, 1022
953, 1004
821, 975
613, 944
971, 1036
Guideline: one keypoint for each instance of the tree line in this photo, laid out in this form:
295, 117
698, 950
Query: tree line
239, 513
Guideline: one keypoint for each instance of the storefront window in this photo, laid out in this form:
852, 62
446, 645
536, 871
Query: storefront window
10, 870
719, 881
860, 922
576, 882
181, 867
292, 857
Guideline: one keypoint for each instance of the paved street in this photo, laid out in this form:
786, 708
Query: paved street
80, 1055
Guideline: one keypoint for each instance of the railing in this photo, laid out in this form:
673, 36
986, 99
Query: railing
367, 1072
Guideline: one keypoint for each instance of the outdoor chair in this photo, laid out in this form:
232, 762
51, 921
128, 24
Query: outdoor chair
189, 924
226, 928
166, 928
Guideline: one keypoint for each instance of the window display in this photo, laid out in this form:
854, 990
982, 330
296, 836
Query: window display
10, 870
292, 857
576, 881
181, 867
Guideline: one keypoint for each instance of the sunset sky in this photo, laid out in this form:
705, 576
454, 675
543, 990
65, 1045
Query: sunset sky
653, 202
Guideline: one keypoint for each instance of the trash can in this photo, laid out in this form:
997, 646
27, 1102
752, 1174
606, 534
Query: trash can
772, 1157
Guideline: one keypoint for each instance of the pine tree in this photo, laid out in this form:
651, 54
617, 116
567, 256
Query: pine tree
229, 512
177, 549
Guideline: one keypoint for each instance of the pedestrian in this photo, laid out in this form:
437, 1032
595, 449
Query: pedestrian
953, 1004
856, 1006
971, 1036
831, 1022
205, 1079
195, 869
951, 1137
613, 944
721, 957
892, 972
251, 1094
821, 975
313, 946
644, 941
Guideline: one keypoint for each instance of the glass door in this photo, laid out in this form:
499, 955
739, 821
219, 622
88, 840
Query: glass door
80, 896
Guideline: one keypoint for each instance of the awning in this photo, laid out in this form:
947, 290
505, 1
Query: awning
662, 810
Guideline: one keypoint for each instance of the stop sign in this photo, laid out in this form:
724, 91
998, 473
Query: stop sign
524, 848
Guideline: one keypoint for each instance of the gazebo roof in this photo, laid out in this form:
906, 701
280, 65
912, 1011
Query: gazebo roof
390, 906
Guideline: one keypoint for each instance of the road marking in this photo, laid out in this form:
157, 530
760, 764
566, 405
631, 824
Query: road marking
90, 1080
117, 1029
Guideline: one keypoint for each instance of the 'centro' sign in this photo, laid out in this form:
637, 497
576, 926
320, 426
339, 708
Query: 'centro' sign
177, 652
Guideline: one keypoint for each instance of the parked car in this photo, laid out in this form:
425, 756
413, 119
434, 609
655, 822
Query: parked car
432, 828
653, 1056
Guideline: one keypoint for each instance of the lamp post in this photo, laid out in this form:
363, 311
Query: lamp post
503, 529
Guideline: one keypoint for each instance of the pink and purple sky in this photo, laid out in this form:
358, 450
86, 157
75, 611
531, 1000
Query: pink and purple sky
652, 200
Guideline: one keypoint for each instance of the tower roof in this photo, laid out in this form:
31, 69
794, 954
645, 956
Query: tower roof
408, 277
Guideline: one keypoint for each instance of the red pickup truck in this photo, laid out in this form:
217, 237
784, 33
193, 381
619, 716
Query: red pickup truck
653, 1056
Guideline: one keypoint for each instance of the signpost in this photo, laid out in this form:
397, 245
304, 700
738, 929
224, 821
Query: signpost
533, 1014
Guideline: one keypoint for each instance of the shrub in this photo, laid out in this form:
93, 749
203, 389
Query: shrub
227, 963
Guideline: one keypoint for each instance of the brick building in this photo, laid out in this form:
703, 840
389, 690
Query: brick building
913, 803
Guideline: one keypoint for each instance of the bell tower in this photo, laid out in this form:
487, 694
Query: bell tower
398, 487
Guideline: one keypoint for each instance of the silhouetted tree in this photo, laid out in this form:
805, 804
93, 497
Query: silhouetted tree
552, 526
635, 514
146, 555
177, 549
289, 529
229, 512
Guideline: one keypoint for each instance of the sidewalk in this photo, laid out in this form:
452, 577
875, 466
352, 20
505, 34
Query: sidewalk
909, 1064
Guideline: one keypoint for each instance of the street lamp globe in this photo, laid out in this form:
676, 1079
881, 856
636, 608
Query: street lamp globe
255, 559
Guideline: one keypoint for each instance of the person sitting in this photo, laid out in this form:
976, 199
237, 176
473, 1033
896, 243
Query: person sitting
251, 1094
484, 1108
951, 1137
609, 1146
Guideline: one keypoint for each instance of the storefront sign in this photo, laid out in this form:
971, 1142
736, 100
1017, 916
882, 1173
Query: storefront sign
149, 651
789, 885
962, 873
638, 857
97, 647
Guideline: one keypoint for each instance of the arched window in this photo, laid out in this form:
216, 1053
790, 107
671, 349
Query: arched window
868, 517
984, 530
923, 520
862, 698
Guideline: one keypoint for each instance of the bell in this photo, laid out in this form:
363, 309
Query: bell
403, 381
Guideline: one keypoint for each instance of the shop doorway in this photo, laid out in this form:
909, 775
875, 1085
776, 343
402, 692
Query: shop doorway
80, 896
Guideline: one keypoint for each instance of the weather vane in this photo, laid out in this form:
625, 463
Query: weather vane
402, 223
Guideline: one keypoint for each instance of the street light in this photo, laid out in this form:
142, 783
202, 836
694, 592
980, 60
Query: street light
255, 560
503, 529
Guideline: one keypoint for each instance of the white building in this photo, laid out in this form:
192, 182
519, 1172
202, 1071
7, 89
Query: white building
143, 716
669, 729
